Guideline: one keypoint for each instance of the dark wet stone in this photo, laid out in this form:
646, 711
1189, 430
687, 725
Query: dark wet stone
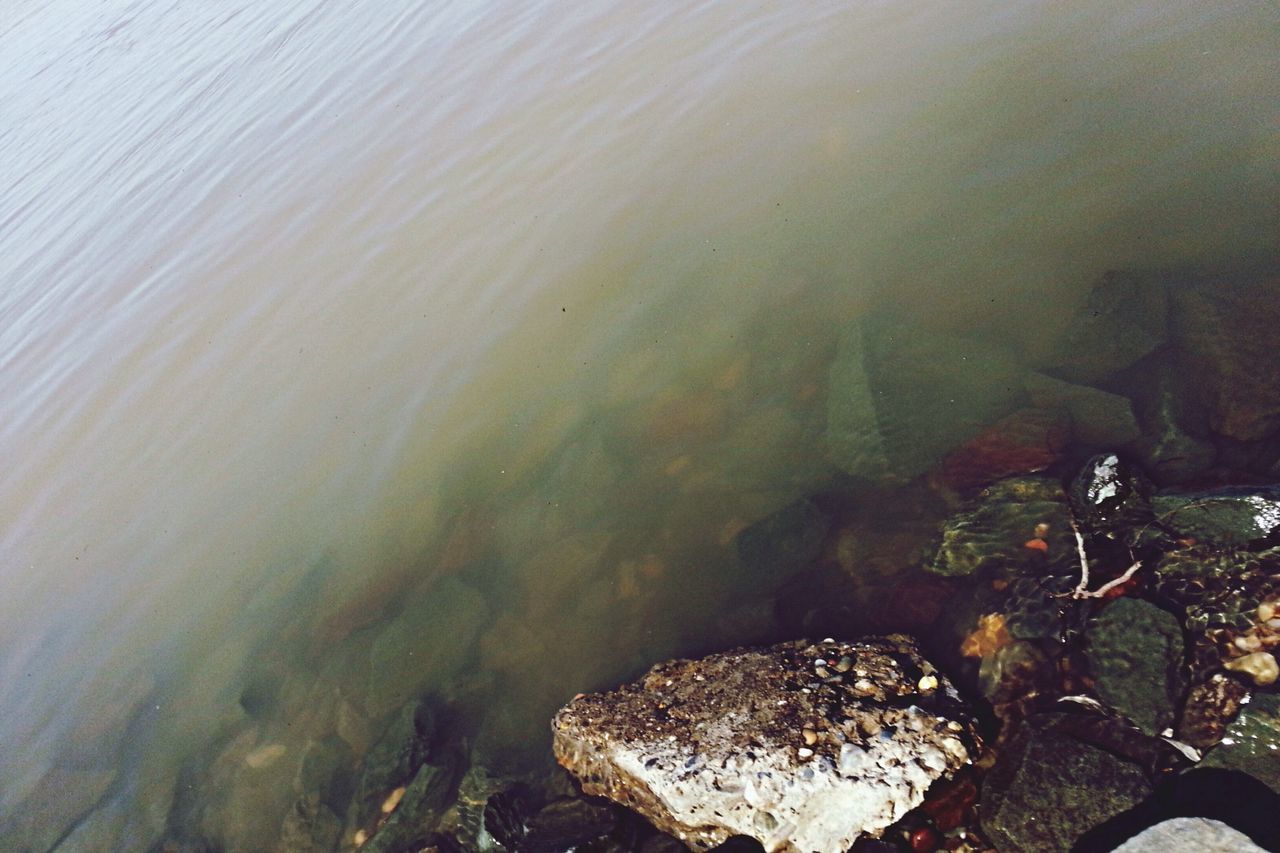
1210, 707
901, 396
566, 823
418, 811
1229, 327
1111, 497
309, 826
1174, 447
1124, 319
660, 842
1252, 743
993, 533
327, 769
395, 757
1233, 516
1217, 588
507, 813
1135, 654
783, 542
1014, 672
1047, 789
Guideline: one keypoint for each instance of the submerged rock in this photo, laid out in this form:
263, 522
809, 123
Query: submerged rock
1135, 652
1230, 331
1234, 516
1111, 497
1252, 743
1098, 418
1047, 789
782, 542
1019, 523
803, 747
901, 396
1189, 833
1124, 319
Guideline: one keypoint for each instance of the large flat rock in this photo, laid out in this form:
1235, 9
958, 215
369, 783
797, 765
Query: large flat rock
805, 747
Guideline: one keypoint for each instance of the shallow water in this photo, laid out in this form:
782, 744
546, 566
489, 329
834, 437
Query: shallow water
345, 355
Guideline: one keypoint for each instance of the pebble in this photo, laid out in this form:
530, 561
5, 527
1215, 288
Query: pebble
927, 683
392, 800
1247, 643
1266, 611
845, 664
810, 736
804, 752
1260, 666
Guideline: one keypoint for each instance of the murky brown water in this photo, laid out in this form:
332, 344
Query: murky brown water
350, 353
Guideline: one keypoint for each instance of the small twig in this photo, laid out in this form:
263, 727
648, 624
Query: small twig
1080, 592
1082, 589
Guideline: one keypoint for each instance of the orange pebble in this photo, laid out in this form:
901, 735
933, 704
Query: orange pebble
1036, 545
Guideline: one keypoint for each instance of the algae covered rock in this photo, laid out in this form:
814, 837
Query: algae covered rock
1047, 789
1252, 742
804, 747
1135, 652
999, 529
1233, 516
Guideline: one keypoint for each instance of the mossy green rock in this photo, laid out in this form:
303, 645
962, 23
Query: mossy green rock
1252, 742
1135, 650
1047, 789
993, 532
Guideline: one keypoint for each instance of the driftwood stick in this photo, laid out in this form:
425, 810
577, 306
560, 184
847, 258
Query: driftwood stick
1082, 588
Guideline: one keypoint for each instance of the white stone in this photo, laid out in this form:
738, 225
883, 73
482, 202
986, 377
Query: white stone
705, 759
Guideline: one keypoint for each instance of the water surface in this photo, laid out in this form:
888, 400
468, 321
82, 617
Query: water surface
350, 353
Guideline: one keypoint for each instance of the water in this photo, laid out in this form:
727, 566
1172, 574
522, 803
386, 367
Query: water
448, 345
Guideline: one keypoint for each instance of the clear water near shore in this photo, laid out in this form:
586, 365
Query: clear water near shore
452, 346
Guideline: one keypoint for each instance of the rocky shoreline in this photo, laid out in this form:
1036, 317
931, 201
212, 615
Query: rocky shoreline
1048, 590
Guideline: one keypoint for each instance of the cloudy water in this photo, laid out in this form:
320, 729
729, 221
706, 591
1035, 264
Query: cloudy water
450, 347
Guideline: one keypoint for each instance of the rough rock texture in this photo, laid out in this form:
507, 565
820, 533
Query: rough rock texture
1047, 789
803, 747
1124, 319
1230, 330
1026, 441
1189, 833
1221, 517
1252, 742
1098, 418
1135, 652
994, 531
900, 396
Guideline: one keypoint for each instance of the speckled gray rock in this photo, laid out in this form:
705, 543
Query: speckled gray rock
1135, 651
1189, 833
1047, 789
803, 747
